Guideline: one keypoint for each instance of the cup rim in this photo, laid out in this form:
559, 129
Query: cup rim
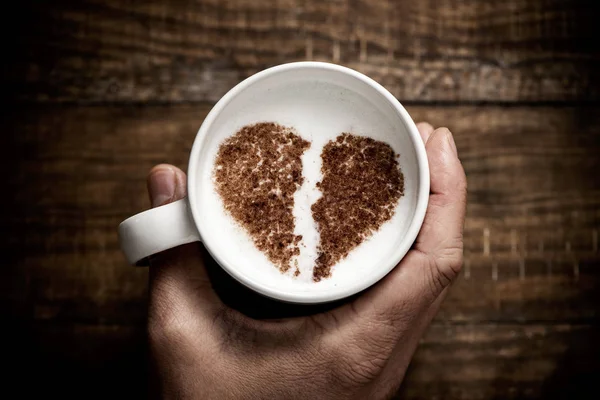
341, 292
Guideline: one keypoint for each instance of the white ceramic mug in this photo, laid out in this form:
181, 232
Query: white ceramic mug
320, 101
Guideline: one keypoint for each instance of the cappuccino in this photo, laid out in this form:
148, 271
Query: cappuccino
312, 117
258, 171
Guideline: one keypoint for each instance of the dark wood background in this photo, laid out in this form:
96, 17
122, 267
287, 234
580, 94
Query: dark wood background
95, 92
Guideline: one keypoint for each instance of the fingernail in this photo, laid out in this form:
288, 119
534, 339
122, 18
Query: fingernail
161, 186
451, 142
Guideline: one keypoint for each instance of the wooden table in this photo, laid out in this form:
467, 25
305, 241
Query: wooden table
96, 92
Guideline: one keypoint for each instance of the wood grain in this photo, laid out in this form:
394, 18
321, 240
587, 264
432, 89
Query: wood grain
530, 249
505, 362
445, 51
96, 92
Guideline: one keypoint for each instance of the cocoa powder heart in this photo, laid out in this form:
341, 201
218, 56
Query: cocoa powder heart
361, 186
258, 170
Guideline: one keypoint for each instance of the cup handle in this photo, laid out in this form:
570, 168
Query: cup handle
156, 230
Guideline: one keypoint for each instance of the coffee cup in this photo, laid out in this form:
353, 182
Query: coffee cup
320, 101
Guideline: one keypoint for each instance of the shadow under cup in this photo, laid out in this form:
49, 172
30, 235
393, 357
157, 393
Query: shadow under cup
320, 101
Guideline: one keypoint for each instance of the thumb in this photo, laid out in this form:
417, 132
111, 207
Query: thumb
166, 184
178, 276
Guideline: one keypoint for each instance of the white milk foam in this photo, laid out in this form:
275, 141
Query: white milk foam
319, 112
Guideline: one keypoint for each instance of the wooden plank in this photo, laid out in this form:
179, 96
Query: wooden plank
530, 249
450, 51
453, 361
505, 361
523, 290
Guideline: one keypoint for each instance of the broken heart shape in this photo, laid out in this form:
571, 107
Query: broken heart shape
258, 170
361, 186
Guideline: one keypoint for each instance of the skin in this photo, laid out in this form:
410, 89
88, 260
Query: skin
202, 347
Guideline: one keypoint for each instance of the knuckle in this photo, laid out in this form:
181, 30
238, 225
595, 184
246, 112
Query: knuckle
360, 360
445, 268
443, 129
455, 265
365, 372
362, 368
452, 259
437, 279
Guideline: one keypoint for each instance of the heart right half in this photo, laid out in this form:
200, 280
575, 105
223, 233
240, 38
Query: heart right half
361, 186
